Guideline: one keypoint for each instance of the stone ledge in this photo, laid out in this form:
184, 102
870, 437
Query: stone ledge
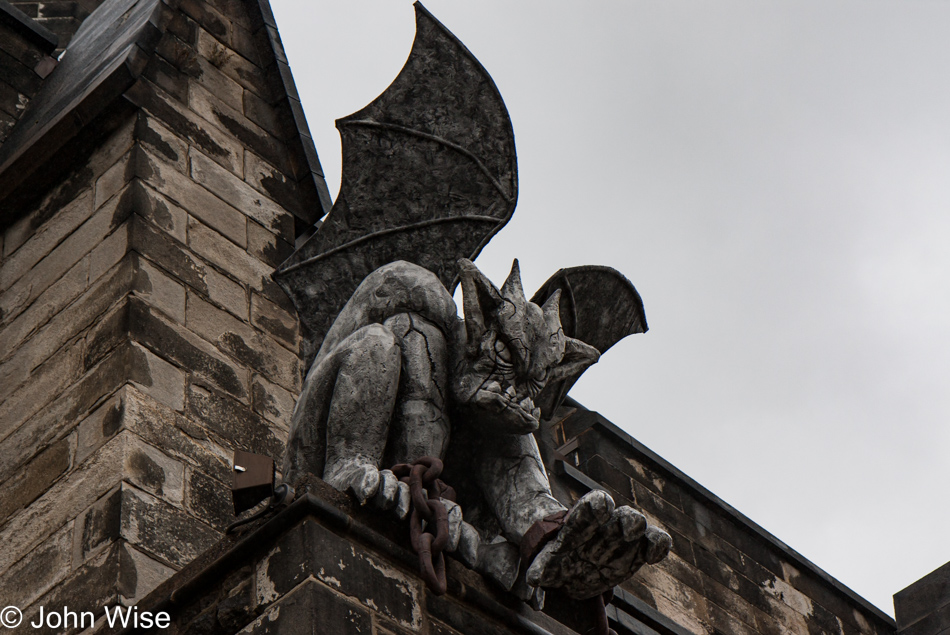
324, 546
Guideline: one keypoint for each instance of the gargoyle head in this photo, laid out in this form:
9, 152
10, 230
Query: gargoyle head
512, 348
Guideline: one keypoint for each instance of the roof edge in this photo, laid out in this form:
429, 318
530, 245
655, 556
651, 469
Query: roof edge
704, 494
304, 137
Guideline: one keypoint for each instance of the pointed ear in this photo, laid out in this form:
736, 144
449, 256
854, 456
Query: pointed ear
577, 357
479, 297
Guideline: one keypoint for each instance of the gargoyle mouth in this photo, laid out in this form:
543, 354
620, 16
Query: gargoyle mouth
507, 401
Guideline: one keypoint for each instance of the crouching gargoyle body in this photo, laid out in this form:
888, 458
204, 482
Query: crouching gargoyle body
399, 376
429, 175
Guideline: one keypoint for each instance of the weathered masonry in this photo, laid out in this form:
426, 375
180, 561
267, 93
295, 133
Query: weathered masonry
151, 180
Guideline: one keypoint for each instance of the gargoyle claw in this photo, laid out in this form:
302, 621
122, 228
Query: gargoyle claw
361, 479
392, 494
599, 547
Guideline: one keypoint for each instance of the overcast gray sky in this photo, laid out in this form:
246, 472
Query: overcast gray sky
774, 177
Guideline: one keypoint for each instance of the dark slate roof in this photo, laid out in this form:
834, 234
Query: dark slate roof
101, 61
104, 58
25, 26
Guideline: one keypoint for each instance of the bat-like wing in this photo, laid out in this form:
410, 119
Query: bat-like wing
429, 176
599, 306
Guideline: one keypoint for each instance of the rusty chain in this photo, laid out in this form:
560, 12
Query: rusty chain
428, 523
425, 492
600, 603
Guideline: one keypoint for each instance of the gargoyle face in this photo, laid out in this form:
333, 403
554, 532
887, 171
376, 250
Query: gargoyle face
512, 349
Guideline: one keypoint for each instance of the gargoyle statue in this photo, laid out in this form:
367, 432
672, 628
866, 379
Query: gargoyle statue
399, 372
429, 175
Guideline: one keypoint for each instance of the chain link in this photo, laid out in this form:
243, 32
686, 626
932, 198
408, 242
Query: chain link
429, 521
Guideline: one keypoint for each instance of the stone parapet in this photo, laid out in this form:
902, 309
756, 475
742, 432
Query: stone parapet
324, 565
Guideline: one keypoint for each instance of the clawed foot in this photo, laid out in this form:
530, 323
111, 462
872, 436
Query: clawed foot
598, 547
368, 484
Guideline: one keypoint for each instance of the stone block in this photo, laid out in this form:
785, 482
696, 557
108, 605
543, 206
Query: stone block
234, 422
156, 377
44, 566
154, 472
170, 255
235, 10
112, 181
728, 577
185, 123
731, 603
44, 238
210, 78
139, 575
164, 75
275, 320
725, 622
264, 115
179, 345
74, 185
48, 304
163, 531
244, 42
64, 327
311, 550
45, 383
226, 293
227, 116
159, 211
236, 67
98, 526
110, 251
210, 19
271, 401
462, 618
64, 413
110, 331
209, 500
272, 182
923, 596
34, 478
214, 248
311, 609
242, 196
161, 142
56, 263
64, 501
237, 608
190, 195
177, 435
267, 246
91, 587
158, 290
242, 342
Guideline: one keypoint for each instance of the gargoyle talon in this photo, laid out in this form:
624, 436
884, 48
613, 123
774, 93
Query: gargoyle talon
659, 543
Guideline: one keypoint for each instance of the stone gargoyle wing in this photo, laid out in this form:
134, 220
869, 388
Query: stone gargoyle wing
600, 307
429, 176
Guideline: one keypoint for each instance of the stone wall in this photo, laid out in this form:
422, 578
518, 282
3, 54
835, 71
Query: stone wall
141, 339
725, 574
